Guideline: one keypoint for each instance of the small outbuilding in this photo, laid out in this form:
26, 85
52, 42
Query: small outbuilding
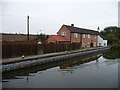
101, 41
58, 39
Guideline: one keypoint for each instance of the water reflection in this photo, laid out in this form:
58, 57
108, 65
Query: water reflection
92, 70
78, 62
27, 78
62, 64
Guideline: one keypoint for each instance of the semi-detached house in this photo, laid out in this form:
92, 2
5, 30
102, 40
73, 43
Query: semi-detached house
72, 34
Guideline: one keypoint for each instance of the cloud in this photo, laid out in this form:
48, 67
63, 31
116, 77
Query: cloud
49, 17
60, 0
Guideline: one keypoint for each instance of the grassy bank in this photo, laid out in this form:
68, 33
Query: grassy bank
116, 46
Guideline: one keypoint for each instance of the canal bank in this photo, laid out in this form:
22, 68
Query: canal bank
21, 63
99, 71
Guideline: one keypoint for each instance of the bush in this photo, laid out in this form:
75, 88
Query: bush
116, 46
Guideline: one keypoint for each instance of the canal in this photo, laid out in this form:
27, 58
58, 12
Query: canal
97, 70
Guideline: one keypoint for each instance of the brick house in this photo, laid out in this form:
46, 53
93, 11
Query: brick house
88, 38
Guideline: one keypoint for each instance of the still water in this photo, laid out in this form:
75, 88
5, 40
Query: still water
99, 70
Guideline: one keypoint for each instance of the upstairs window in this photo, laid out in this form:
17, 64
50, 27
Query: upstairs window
83, 35
88, 35
75, 35
63, 33
95, 36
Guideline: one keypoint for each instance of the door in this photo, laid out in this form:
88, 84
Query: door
91, 44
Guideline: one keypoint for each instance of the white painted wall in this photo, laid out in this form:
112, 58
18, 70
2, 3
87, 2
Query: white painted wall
101, 42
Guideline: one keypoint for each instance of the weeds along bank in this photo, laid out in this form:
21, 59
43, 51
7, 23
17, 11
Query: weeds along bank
115, 46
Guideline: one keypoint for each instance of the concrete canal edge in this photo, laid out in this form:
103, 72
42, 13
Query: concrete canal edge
26, 64
36, 57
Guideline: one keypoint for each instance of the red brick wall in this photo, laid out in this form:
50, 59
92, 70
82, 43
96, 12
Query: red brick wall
90, 40
75, 40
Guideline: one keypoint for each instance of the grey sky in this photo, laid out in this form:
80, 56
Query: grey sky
50, 15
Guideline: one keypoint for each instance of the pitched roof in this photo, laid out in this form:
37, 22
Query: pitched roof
80, 30
73, 29
59, 38
102, 36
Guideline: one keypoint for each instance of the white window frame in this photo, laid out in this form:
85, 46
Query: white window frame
88, 44
104, 44
75, 35
83, 35
99, 44
63, 33
82, 44
88, 35
95, 36
95, 44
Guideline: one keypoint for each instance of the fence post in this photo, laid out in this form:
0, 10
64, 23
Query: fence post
40, 48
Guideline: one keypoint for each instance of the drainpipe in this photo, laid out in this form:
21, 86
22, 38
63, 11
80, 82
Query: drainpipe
70, 36
81, 39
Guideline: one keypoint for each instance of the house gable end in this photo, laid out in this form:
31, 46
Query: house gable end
64, 30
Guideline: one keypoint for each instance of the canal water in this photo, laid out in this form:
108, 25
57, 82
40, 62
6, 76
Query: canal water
97, 70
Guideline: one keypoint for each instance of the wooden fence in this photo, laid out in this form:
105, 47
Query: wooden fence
50, 48
16, 50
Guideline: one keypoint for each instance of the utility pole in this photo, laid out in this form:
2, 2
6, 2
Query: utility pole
28, 27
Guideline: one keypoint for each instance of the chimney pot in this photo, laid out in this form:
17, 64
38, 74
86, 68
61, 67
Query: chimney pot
98, 29
72, 25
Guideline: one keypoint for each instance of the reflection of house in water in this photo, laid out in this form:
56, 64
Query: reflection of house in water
66, 65
81, 61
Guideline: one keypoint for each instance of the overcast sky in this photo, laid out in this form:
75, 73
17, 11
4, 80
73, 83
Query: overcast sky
47, 16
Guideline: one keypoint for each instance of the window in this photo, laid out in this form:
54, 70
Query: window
95, 36
63, 33
75, 35
83, 35
88, 35
99, 44
82, 44
88, 44
94, 44
104, 44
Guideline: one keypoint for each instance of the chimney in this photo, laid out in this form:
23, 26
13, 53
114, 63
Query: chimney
72, 25
98, 29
